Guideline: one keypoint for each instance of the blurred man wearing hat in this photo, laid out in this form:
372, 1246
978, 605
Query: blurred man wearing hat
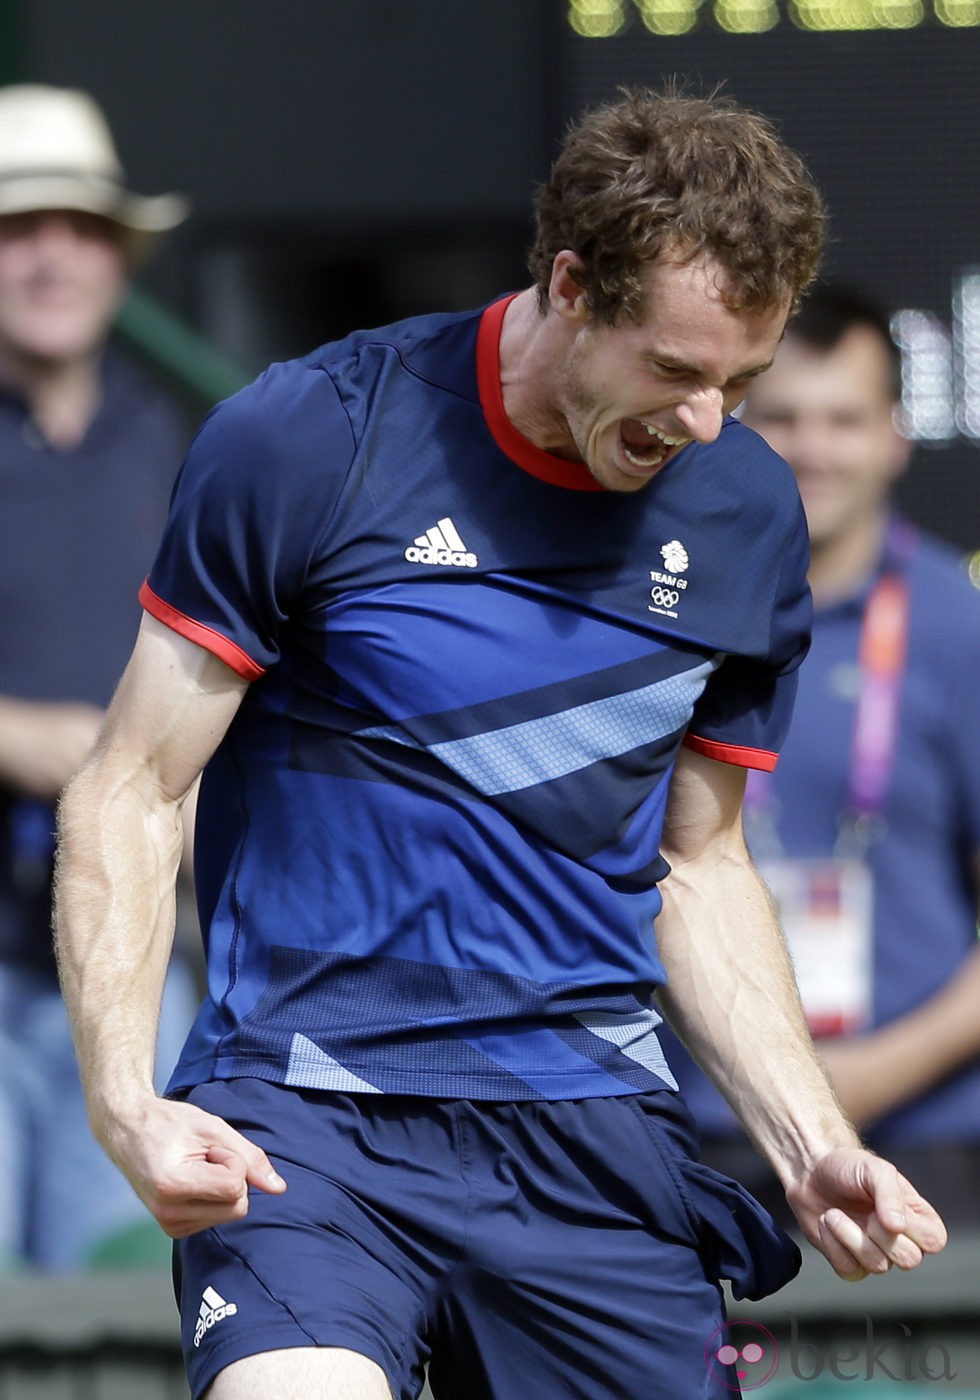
88, 452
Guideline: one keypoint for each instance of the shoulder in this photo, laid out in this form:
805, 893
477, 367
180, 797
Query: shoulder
289, 424
283, 396
741, 493
745, 457
941, 565
741, 466
939, 577
297, 396
439, 349
734, 508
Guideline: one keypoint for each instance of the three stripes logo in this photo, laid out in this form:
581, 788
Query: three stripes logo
441, 545
213, 1309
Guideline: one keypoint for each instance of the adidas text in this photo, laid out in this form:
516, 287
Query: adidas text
428, 555
441, 544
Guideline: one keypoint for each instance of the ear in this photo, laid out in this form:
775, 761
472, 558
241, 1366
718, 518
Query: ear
565, 294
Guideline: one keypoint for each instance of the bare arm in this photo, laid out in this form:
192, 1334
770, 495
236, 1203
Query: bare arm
120, 844
732, 997
878, 1072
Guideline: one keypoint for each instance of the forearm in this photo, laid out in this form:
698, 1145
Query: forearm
732, 997
898, 1062
42, 744
118, 856
944, 1033
120, 826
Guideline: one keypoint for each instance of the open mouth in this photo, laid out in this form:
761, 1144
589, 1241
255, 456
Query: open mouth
645, 446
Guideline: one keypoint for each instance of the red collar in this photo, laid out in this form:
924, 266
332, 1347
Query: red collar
557, 471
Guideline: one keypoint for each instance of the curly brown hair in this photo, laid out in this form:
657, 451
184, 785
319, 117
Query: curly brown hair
664, 173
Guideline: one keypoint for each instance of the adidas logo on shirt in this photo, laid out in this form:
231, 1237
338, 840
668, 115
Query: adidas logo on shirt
213, 1309
441, 545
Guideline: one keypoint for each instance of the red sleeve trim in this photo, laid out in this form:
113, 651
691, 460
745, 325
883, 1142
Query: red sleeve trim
227, 651
738, 754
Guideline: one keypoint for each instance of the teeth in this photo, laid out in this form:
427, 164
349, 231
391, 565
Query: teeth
664, 437
648, 461
651, 456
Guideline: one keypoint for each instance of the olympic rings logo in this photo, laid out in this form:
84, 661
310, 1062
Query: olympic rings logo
664, 597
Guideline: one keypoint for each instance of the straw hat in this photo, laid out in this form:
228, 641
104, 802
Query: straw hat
56, 152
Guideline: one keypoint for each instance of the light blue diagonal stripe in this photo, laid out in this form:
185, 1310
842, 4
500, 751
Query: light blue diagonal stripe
312, 1068
633, 1036
540, 750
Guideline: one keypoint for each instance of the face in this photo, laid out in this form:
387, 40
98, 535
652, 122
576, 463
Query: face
62, 274
632, 396
830, 415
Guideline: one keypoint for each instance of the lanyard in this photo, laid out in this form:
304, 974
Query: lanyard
881, 664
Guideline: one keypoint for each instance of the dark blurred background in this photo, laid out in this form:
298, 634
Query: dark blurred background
353, 161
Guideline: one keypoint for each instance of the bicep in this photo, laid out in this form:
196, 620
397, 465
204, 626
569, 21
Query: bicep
704, 808
170, 711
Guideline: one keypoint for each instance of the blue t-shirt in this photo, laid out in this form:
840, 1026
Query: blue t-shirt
79, 527
428, 846
924, 869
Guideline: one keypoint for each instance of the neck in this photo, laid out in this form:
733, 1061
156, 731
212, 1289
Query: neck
63, 396
839, 565
529, 351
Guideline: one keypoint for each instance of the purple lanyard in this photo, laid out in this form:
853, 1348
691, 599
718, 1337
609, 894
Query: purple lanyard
874, 743
881, 661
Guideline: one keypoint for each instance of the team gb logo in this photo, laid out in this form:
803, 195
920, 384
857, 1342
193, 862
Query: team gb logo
674, 556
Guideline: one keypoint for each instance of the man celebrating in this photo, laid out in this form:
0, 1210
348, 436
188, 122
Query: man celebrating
475, 623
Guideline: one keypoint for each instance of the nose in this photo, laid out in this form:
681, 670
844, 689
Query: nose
701, 414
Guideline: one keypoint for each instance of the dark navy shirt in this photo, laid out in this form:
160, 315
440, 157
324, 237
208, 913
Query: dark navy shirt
78, 530
924, 868
428, 847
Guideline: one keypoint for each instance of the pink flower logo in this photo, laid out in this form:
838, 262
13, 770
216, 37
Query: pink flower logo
742, 1355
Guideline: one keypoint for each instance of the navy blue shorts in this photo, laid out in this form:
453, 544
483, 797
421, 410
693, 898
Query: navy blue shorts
556, 1249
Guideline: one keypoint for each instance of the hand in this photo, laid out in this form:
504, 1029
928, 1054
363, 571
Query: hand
191, 1169
863, 1215
42, 745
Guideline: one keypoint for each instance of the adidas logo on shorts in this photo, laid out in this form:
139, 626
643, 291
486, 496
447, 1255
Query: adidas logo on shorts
213, 1309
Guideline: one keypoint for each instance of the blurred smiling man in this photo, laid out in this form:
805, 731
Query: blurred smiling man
62, 276
828, 407
874, 810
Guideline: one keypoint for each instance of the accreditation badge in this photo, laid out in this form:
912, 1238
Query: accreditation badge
826, 909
